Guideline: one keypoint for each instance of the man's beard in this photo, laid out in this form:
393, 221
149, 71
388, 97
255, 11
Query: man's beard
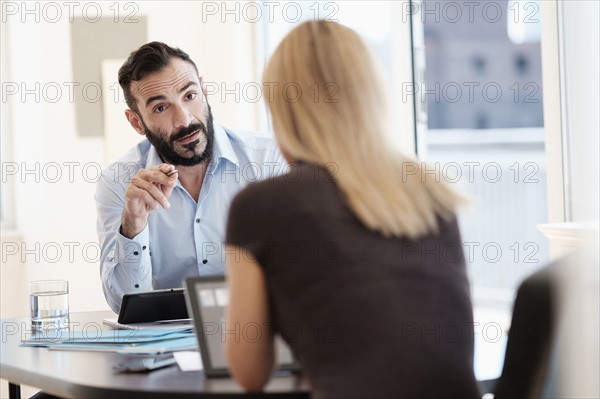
165, 147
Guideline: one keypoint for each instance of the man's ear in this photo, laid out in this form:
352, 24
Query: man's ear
135, 121
202, 85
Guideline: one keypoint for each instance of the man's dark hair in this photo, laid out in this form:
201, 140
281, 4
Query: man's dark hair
151, 57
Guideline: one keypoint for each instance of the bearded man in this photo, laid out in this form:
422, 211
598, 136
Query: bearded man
162, 207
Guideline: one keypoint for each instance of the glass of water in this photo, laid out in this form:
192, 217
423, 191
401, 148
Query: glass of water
49, 304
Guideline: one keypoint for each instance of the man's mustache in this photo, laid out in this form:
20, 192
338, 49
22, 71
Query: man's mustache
188, 130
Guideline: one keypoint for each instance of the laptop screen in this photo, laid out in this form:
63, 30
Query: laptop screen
207, 298
213, 298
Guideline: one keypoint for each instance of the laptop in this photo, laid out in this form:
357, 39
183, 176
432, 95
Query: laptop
207, 298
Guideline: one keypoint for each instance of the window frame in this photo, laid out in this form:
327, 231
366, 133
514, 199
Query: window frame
7, 195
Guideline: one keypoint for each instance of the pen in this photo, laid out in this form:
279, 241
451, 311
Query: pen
171, 173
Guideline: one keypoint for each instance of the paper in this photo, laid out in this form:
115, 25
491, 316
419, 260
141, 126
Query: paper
96, 336
144, 341
174, 345
167, 324
188, 361
150, 348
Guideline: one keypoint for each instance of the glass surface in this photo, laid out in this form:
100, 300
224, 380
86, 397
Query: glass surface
49, 304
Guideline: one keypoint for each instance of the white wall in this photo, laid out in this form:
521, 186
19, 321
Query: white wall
571, 39
580, 39
571, 60
54, 210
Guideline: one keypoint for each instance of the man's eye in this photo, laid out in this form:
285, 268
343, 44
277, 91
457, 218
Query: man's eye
160, 108
191, 96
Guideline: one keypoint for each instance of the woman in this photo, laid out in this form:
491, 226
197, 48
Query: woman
355, 254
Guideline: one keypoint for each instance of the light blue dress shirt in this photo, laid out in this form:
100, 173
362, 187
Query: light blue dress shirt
188, 238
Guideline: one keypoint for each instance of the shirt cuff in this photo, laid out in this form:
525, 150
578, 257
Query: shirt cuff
134, 252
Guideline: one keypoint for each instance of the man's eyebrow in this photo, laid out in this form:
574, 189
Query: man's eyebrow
187, 86
161, 97
154, 98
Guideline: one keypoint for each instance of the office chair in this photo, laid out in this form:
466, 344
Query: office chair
531, 339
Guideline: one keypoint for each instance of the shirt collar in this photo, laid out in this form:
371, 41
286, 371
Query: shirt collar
222, 150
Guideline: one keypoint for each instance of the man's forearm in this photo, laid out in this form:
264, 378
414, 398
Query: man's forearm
119, 281
125, 267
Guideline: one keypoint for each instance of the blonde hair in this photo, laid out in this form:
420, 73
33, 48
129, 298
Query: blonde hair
328, 106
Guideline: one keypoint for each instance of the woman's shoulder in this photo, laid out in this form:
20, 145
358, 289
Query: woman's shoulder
266, 194
295, 182
302, 185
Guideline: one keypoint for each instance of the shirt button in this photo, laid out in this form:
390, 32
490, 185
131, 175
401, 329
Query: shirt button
144, 247
204, 262
136, 253
197, 220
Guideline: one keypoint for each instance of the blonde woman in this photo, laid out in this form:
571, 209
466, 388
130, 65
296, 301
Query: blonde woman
354, 256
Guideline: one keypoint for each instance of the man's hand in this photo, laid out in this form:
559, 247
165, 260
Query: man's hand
149, 190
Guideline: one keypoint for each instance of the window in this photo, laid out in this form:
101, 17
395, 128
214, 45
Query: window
479, 113
376, 21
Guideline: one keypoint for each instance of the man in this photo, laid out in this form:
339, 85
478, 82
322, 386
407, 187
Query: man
162, 208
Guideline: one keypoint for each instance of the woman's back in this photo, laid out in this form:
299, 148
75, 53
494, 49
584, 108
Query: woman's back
367, 316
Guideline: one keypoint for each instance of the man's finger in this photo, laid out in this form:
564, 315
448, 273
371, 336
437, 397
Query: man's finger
154, 192
156, 175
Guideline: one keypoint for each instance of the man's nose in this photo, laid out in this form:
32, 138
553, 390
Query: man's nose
182, 117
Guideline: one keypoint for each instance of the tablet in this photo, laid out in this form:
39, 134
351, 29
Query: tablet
207, 298
150, 306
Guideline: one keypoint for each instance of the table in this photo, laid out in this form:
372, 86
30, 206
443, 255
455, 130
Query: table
72, 374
